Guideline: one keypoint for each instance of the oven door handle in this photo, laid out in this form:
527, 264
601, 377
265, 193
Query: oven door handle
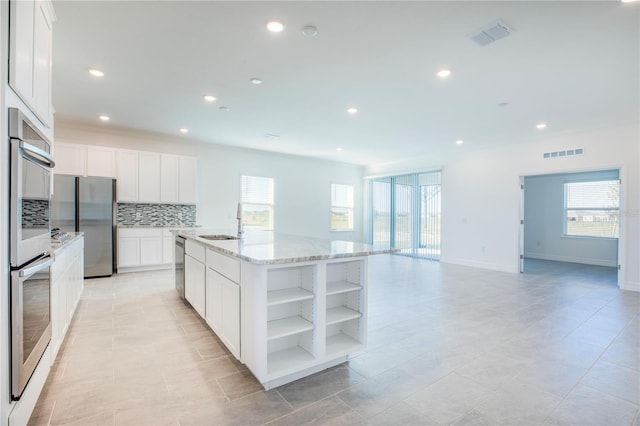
44, 263
36, 155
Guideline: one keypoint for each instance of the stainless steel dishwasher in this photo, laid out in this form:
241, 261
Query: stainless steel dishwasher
179, 265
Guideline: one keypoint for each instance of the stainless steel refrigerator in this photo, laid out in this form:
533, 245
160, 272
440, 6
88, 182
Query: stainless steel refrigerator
88, 204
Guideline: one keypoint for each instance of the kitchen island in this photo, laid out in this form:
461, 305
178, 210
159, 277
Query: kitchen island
286, 306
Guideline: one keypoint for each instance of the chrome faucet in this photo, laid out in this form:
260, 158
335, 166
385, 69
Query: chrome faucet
239, 217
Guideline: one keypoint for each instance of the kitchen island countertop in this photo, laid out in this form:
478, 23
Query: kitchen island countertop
268, 247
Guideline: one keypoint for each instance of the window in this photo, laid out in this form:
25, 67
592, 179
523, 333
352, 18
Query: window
341, 207
256, 195
405, 214
592, 208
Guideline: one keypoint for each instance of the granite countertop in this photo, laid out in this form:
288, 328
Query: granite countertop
268, 247
157, 226
57, 247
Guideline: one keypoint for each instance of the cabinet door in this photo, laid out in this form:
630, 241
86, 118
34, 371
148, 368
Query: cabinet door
187, 180
42, 38
128, 252
70, 159
150, 251
167, 250
127, 175
194, 284
169, 166
231, 315
21, 49
214, 300
148, 177
101, 161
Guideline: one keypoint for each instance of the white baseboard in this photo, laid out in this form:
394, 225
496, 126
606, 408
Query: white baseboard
22, 409
631, 286
480, 265
122, 270
571, 259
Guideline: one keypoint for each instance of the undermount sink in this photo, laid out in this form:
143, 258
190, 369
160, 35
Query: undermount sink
219, 237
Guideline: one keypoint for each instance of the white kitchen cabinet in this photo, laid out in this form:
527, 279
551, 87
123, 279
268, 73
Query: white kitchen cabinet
128, 251
141, 249
70, 158
178, 179
223, 307
30, 55
168, 241
101, 161
67, 283
127, 175
148, 177
187, 180
195, 277
169, 178
151, 250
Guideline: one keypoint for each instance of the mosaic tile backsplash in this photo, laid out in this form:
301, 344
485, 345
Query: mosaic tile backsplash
135, 214
35, 213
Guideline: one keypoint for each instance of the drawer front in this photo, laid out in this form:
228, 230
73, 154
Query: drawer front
224, 265
139, 232
195, 250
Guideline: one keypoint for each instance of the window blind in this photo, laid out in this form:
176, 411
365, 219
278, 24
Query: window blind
592, 208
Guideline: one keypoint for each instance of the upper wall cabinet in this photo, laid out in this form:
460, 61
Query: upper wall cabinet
31, 34
178, 179
84, 160
71, 159
148, 177
127, 175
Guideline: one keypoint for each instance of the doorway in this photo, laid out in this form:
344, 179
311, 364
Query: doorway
405, 213
572, 218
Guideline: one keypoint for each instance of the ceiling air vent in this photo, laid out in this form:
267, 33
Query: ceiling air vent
490, 33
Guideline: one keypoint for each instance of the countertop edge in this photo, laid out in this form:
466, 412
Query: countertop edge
211, 244
60, 248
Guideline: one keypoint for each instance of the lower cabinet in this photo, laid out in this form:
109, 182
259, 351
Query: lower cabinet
223, 309
144, 249
67, 282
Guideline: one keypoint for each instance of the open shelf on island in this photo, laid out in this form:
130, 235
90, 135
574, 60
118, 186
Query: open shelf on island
287, 326
341, 314
338, 287
288, 295
289, 359
341, 343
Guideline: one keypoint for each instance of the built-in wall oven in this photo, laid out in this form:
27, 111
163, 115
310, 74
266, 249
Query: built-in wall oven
30, 198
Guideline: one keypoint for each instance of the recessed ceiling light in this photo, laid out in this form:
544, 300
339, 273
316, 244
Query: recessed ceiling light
184, 130
352, 110
275, 26
209, 98
339, 149
459, 142
541, 126
104, 117
255, 81
309, 31
443, 73
96, 72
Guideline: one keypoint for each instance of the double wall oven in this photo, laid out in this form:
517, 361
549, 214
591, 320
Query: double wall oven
30, 199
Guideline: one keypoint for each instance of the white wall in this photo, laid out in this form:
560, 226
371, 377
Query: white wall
544, 223
481, 194
302, 185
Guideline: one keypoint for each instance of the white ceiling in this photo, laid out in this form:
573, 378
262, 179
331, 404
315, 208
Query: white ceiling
573, 65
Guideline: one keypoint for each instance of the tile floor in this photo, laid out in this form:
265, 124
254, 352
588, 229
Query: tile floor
447, 345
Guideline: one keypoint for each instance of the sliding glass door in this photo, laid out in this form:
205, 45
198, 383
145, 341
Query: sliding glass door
405, 214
